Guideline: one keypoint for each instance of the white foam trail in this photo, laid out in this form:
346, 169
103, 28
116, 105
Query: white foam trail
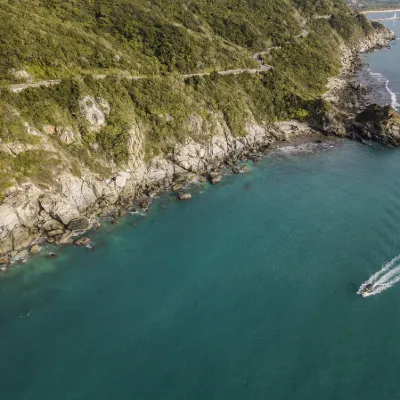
376, 74
393, 96
384, 279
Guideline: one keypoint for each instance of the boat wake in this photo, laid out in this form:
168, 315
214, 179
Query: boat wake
382, 280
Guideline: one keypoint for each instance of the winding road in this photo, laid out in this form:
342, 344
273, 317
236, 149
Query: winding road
19, 87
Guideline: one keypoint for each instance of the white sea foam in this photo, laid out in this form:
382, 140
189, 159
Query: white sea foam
393, 96
384, 279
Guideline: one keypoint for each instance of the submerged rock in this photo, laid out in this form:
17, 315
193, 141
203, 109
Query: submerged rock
145, 203
96, 225
241, 169
177, 187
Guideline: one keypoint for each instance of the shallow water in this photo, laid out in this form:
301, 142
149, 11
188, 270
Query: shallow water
246, 292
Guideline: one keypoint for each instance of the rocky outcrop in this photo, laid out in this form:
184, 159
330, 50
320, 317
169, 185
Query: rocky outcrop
67, 135
349, 57
377, 123
94, 110
335, 112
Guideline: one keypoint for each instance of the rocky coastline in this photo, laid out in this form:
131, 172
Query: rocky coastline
30, 215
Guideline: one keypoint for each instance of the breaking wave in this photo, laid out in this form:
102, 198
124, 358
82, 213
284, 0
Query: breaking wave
393, 96
384, 279
377, 74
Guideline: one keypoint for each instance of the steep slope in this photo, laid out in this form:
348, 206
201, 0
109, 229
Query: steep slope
127, 117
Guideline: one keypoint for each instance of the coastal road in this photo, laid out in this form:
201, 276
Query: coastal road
17, 88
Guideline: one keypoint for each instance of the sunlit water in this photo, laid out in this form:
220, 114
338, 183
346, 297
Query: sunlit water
246, 292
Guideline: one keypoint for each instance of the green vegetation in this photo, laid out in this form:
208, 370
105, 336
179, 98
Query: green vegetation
160, 40
38, 165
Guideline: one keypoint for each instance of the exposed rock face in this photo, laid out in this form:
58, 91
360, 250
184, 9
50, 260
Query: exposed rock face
381, 124
67, 135
350, 62
340, 105
93, 111
22, 76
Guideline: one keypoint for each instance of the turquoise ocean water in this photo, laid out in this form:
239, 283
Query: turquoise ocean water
246, 292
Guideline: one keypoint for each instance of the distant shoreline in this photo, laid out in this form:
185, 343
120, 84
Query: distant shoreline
379, 11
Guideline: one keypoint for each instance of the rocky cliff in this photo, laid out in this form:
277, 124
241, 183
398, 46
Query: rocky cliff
31, 211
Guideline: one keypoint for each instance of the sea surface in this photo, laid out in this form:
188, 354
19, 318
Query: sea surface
247, 292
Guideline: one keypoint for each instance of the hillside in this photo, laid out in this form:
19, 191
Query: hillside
140, 79
56, 38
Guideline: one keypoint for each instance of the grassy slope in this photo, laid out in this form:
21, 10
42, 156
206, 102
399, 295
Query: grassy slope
162, 38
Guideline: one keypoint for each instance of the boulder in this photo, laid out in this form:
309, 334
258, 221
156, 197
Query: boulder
215, 178
66, 238
184, 196
83, 242
21, 255
35, 250
66, 134
52, 225
21, 237
49, 129
4, 261
56, 232
79, 224
59, 208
